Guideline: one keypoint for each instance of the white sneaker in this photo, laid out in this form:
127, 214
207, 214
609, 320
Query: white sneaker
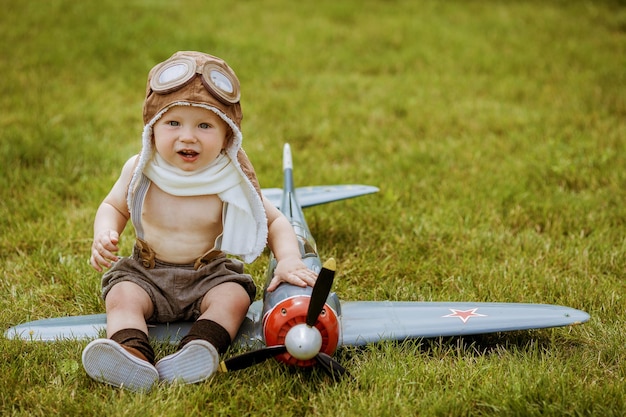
195, 362
107, 361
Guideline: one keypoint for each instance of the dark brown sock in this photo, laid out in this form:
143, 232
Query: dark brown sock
136, 342
210, 331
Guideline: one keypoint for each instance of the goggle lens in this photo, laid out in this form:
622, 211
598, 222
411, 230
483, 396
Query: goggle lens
173, 75
221, 82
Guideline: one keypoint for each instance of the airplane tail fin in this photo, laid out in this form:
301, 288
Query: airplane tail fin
291, 200
289, 204
288, 167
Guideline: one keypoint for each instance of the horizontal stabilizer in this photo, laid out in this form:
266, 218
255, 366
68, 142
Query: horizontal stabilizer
320, 194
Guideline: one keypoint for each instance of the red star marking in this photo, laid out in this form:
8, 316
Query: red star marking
464, 315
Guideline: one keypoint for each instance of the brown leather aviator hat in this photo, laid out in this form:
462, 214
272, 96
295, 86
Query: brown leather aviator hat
193, 77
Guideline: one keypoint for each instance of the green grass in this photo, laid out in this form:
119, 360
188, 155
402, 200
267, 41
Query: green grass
495, 130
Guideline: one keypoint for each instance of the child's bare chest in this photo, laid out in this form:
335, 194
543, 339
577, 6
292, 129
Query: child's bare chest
194, 215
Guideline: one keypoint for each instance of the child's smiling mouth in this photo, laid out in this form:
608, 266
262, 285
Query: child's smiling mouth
188, 154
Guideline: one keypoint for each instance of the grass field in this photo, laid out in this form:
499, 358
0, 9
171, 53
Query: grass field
495, 130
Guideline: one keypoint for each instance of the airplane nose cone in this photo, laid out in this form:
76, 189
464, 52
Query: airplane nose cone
303, 342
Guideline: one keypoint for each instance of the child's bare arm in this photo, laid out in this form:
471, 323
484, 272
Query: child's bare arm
284, 245
110, 221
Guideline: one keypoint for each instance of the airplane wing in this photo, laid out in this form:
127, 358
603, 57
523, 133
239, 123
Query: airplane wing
320, 194
92, 326
60, 328
364, 322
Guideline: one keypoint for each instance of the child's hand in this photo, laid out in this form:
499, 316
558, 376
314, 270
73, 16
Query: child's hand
293, 271
103, 249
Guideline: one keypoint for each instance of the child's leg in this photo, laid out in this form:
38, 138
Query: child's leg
226, 306
223, 310
126, 358
127, 306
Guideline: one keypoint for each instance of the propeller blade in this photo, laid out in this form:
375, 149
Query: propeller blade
320, 292
251, 358
331, 366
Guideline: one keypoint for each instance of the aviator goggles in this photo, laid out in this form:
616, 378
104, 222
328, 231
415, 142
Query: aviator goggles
217, 78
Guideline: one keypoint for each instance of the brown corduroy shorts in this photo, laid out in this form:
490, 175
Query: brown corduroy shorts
176, 290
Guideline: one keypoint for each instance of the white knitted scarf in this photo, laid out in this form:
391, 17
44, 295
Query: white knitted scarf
217, 177
220, 178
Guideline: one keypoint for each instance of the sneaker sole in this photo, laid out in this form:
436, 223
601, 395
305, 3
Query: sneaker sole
106, 361
195, 362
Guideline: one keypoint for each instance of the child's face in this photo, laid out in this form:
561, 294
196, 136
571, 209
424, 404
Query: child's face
190, 138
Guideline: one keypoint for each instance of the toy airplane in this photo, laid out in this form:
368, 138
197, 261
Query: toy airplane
304, 326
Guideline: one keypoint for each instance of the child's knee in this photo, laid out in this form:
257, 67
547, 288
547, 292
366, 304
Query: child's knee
127, 294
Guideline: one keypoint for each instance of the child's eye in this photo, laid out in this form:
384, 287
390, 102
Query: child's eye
173, 123
204, 125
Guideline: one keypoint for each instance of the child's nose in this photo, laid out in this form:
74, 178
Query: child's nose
186, 135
